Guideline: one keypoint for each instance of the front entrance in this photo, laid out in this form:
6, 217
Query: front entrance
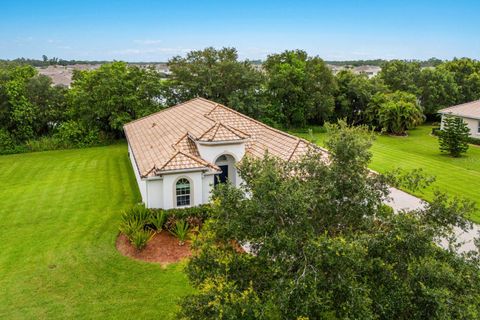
226, 163
223, 176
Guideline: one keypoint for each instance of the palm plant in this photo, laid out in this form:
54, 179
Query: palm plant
140, 238
180, 230
158, 219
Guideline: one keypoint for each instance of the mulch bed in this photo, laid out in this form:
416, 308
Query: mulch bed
163, 248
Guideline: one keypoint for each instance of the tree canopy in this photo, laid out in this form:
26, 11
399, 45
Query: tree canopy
395, 112
112, 95
301, 86
325, 247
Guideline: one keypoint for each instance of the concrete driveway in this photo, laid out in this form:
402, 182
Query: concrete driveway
401, 200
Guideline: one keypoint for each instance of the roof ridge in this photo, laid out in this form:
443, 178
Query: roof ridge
216, 130
256, 121
216, 105
199, 138
168, 108
168, 161
198, 159
232, 130
188, 155
179, 140
294, 149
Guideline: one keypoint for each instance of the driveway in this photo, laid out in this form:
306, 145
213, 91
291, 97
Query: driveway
401, 200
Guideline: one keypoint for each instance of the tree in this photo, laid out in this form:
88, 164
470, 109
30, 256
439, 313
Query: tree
17, 113
353, 95
114, 94
217, 75
394, 112
51, 103
454, 136
467, 76
325, 247
301, 86
438, 89
401, 75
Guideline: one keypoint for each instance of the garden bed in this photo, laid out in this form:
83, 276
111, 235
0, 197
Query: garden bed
163, 248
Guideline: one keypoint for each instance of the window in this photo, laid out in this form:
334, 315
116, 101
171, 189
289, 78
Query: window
478, 129
182, 189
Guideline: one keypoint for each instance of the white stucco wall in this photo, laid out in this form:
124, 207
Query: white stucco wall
160, 192
154, 193
211, 152
196, 188
142, 185
472, 124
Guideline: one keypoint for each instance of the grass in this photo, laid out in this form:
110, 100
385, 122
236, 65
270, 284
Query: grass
456, 176
59, 214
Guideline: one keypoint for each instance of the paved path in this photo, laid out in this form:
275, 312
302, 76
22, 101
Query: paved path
404, 201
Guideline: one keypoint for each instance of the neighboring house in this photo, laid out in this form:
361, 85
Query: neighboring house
370, 71
180, 153
469, 112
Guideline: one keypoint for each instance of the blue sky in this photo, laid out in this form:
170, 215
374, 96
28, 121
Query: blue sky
158, 30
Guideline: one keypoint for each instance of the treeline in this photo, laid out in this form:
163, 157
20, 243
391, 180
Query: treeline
292, 89
46, 61
432, 62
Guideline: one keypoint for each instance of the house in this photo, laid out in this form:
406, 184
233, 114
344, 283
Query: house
469, 112
180, 153
370, 71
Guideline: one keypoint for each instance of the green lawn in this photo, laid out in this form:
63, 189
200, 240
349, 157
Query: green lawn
456, 176
59, 213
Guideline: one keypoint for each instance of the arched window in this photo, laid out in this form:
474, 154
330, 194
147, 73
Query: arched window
182, 189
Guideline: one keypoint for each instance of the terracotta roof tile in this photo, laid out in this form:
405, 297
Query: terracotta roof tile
221, 132
166, 140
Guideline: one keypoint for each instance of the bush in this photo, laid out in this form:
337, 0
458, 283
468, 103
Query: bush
454, 136
47, 143
130, 227
77, 134
8, 144
437, 132
138, 213
180, 230
158, 219
178, 221
140, 238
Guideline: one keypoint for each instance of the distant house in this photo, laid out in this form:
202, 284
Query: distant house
180, 153
370, 71
469, 112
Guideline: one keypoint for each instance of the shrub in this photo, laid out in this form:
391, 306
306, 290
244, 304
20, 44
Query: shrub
8, 144
454, 136
133, 222
139, 213
181, 231
47, 143
140, 238
130, 227
437, 132
73, 132
178, 221
158, 218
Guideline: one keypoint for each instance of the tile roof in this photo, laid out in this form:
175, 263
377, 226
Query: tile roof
166, 140
467, 110
220, 132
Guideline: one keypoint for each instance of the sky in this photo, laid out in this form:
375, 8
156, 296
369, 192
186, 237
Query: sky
157, 30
